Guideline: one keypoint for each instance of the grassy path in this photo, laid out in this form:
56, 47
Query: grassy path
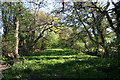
61, 63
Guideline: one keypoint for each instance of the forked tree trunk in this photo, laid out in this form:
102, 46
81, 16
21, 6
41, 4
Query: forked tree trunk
17, 38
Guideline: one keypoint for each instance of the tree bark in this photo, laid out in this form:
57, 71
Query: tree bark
118, 41
17, 38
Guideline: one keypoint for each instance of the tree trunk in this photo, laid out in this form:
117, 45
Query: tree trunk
17, 38
118, 25
106, 54
118, 42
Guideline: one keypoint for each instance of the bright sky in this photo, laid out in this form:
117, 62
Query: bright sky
52, 6
1, 29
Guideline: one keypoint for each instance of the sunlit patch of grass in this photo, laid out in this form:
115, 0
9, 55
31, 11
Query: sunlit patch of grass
59, 49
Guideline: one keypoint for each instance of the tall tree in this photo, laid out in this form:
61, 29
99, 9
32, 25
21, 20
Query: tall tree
115, 25
17, 37
11, 14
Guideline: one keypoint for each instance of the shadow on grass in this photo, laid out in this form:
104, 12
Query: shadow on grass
62, 67
91, 68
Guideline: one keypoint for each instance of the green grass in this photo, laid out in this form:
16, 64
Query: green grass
61, 63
